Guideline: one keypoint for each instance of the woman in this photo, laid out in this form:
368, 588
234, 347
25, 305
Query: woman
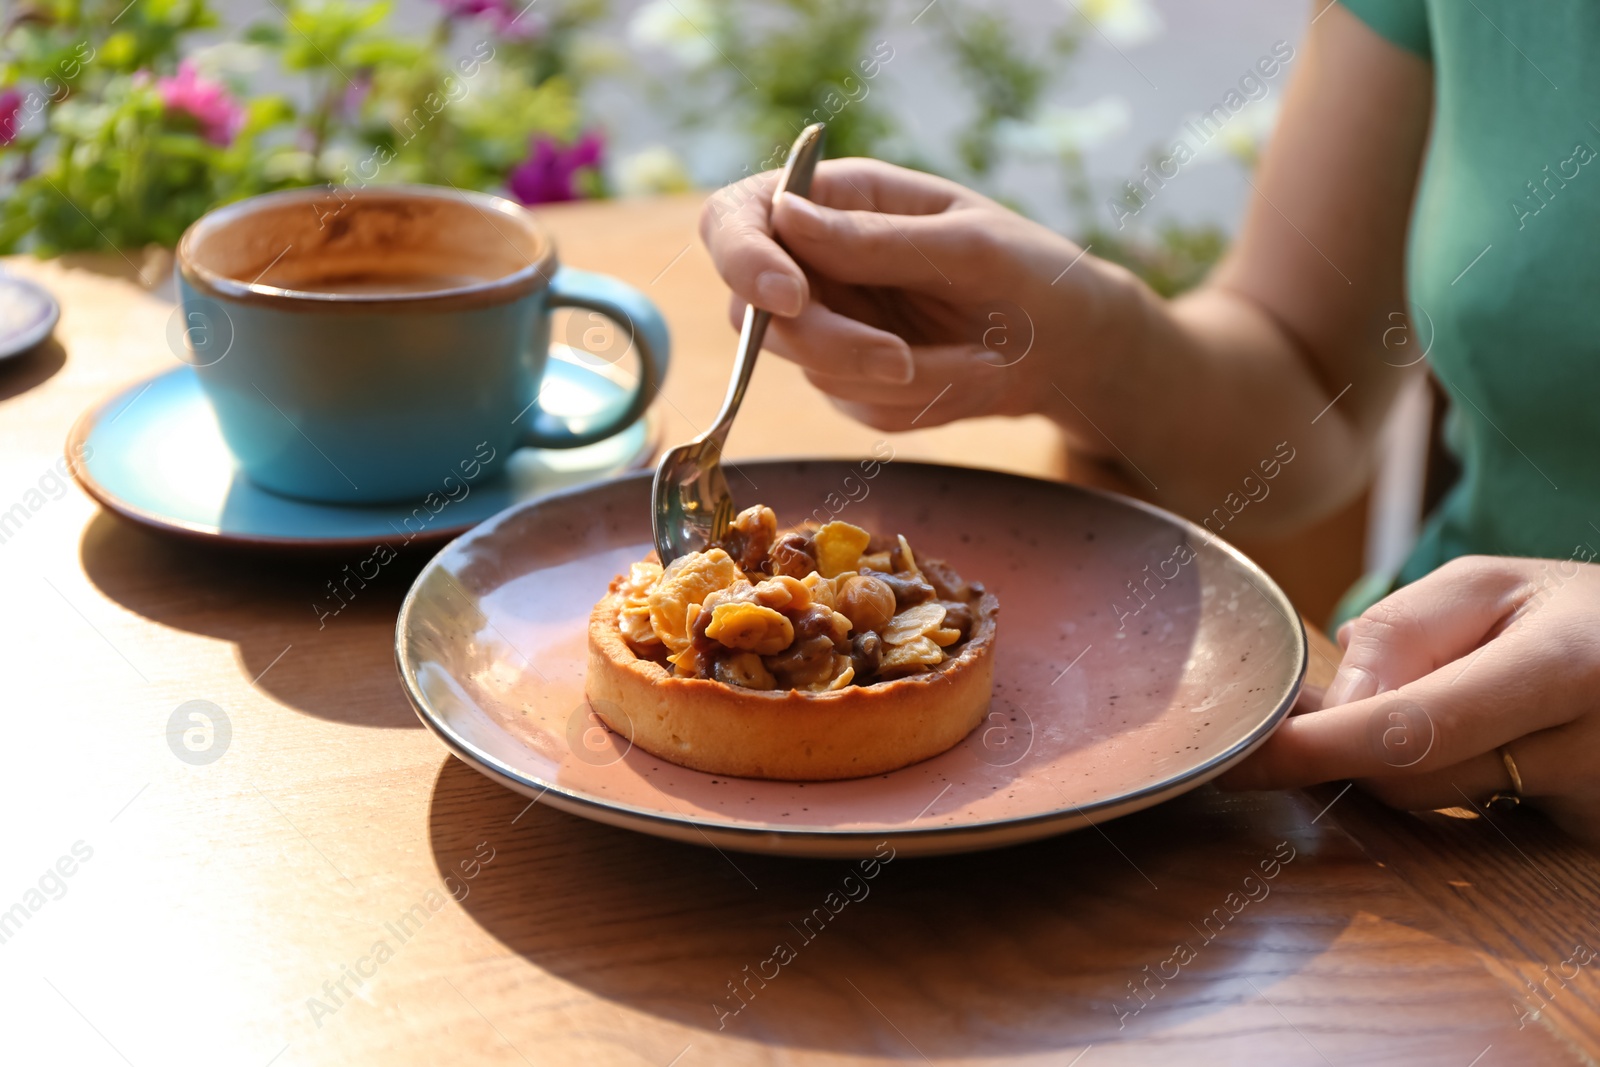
1468, 125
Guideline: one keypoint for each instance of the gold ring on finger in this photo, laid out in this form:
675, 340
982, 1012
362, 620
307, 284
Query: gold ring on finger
1502, 800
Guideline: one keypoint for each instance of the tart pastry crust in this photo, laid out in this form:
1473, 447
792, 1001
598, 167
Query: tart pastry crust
790, 734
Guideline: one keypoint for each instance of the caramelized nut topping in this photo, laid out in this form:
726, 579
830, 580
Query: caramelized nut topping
839, 548
816, 610
866, 601
866, 652
945, 581
805, 664
751, 627
689, 580
750, 537
793, 554
958, 616
743, 669
909, 590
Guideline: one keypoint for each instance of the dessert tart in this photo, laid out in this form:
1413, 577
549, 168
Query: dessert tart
819, 654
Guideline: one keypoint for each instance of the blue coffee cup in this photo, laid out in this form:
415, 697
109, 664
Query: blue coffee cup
363, 345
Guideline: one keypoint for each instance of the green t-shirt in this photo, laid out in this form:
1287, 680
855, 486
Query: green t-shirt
1503, 271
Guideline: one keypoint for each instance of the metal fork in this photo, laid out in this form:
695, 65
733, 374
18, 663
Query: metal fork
690, 503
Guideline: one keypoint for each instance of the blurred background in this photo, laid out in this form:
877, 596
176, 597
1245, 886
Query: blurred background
123, 120
1130, 125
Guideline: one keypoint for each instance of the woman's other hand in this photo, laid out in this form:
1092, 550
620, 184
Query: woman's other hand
1483, 653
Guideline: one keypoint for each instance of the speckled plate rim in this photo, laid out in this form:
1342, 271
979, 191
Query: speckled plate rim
78, 437
822, 842
26, 341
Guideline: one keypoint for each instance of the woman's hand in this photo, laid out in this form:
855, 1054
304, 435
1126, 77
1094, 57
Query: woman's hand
1485, 652
899, 289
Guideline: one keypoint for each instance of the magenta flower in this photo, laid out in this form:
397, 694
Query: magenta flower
468, 8
510, 18
207, 102
10, 112
547, 175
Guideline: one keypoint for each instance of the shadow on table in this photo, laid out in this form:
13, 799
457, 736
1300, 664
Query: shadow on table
1046, 947
337, 666
39, 364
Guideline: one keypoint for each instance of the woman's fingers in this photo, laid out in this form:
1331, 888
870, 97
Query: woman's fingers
1309, 699
875, 377
1459, 711
949, 385
920, 252
857, 184
942, 371
1424, 625
820, 339
857, 362
1551, 763
1465, 785
736, 223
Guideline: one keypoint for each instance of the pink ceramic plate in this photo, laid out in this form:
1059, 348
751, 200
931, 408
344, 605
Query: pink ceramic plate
1137, 657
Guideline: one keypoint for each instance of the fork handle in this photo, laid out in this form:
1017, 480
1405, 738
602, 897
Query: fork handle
796, 178
744, 365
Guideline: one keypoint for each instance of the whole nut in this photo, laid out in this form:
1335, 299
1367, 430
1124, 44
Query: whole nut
909, 591
867, 602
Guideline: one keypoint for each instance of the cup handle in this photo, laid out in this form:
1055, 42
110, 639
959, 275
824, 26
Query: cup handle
635, 315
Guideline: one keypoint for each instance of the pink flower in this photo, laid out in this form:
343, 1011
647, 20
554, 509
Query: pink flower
510, 18
468, 8
10, 112
546, 176
207, 102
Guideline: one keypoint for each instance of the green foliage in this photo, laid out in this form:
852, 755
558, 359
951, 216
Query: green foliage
110, 154
809, 61
562, 49
487, 132
125, 38
101, 161
1007, 82
418, 116
775, 66
120, 145
334, 36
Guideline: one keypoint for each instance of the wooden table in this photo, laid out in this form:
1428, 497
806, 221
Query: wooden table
228, 913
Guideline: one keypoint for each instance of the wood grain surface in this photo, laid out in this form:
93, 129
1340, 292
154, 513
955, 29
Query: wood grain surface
336, 889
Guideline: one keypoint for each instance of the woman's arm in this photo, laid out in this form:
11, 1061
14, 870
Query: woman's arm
1298, 312
898, 280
